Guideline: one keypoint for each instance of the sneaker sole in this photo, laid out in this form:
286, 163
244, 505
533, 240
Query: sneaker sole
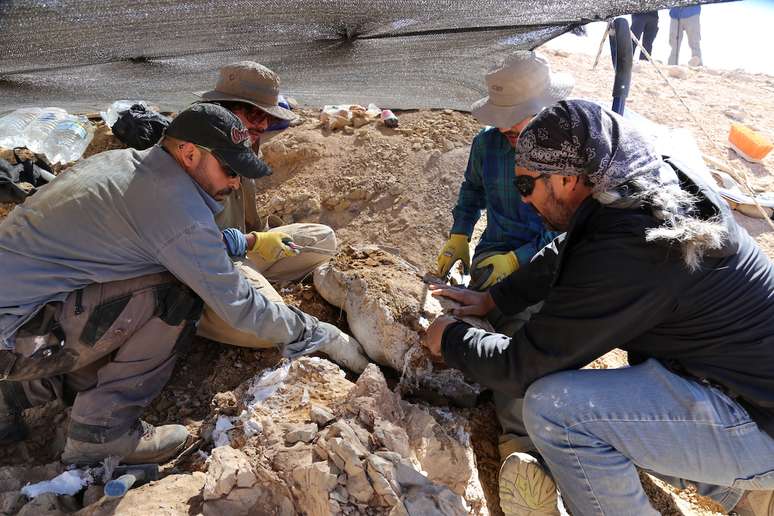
525, 488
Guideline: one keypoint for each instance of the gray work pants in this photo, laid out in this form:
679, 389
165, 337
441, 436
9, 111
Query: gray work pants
119, 348
692, 29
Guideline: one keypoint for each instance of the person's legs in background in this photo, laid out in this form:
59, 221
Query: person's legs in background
692, 27
638, 27
649, 34
675, 40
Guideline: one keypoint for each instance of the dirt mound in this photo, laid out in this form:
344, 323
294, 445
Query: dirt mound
389, 187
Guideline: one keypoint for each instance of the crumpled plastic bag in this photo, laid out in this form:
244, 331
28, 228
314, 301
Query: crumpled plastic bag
66, 483
140, 127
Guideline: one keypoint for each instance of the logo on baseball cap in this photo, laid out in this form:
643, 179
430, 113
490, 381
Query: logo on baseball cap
218, 129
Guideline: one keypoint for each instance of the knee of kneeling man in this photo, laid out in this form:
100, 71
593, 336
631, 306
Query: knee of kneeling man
326, 237
546, 403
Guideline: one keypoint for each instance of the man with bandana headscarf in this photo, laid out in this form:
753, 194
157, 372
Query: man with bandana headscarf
653, 263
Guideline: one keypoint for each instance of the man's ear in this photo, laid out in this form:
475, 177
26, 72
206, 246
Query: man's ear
576, 181
190, 155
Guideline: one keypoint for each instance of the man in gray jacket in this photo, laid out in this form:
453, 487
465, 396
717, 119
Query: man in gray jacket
105, 271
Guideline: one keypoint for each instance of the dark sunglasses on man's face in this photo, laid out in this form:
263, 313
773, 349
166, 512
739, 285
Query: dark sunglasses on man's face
256, 116
226, 168
526, 184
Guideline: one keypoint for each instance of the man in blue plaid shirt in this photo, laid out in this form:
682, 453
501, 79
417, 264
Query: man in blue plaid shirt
518, 90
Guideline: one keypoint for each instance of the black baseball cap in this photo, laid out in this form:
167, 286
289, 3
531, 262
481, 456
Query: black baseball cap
219, 130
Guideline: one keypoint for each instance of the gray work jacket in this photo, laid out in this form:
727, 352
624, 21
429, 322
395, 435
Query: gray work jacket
119, 215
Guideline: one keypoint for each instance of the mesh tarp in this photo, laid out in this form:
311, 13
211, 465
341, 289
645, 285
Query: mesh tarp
83, 54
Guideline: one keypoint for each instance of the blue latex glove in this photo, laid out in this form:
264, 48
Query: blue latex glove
236, 243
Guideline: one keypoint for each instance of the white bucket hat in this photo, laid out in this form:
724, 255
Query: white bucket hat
250, 82
521, 87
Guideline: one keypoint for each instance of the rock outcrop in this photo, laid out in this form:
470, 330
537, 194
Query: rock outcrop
362, 450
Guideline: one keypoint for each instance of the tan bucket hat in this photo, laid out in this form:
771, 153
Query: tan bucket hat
250, 82
522, 86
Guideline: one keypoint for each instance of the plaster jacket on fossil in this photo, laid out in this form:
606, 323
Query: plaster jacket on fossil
388, 307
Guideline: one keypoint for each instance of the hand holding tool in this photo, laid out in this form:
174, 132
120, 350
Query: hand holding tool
272, 245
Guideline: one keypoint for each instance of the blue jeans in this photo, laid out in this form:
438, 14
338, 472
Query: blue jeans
593, 427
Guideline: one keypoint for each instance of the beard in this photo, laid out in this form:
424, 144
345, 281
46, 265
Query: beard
557, 213
222, 194
200, 172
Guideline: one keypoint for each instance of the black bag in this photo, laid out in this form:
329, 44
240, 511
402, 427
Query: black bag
140, 128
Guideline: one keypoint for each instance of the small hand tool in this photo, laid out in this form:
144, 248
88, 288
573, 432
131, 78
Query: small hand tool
127, 476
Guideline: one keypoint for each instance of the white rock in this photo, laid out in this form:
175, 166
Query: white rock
303, 433
359, 487
392, 437
434, 500
321, 415
735, 114
678, 72
313, 483
170, 495
228, 468
382, 475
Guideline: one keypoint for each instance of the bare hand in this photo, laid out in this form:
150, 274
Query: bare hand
434, 334
473, 303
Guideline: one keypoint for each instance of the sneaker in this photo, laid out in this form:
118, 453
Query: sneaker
12, 429
755, 503
143, 444
526, 489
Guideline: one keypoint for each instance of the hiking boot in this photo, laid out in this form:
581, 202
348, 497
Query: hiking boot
144, 443
12, 429
526, 489
755, 503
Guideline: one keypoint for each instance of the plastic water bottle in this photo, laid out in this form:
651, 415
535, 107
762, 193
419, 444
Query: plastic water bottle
68, 139
116, 108
12, 126
39, 129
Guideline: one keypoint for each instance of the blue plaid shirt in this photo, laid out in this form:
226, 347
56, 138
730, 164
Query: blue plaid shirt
512, 225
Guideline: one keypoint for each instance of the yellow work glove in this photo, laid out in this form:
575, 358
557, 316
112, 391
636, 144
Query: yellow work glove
456, 248
499, 267
272, 245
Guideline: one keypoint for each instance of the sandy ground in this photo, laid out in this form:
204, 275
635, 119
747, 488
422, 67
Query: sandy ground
396, 188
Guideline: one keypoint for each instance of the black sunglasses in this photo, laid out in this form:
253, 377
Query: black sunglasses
526, 184
225, 166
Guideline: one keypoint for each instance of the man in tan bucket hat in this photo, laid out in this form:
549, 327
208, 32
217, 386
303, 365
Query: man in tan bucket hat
519, 88
250, 91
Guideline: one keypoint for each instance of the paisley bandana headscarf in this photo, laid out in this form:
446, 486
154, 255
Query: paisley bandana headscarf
577, 137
